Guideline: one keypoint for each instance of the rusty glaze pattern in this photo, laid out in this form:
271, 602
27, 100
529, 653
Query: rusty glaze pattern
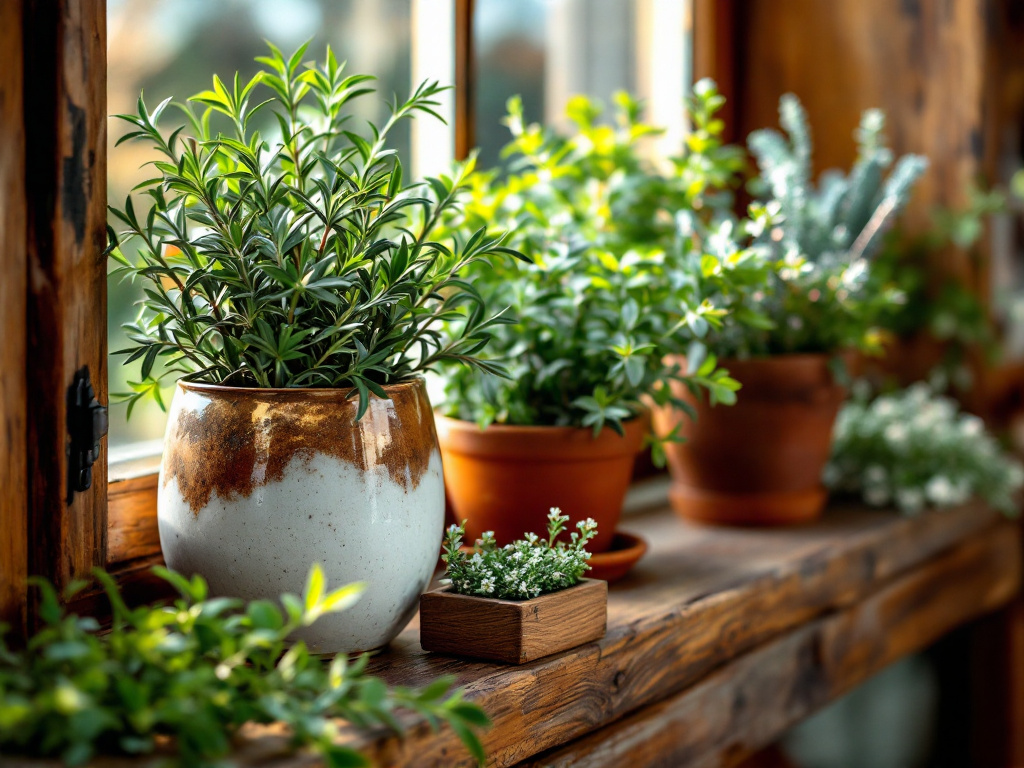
240, 439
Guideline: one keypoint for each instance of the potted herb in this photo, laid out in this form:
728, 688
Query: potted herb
184, 678
598, 308
761, 461
519, 602
296, 283
915, 449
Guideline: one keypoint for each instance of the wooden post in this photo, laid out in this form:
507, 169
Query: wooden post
66, 190
13, 464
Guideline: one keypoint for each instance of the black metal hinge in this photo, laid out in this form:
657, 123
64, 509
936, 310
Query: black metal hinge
87, 423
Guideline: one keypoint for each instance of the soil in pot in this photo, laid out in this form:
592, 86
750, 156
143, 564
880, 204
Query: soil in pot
758, 462
256, 485
506, 478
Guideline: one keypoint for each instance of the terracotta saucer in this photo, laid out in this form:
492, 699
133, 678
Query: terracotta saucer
610, 566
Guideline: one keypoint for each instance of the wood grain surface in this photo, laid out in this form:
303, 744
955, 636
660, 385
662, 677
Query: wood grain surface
66, 192
510, 631
13, 390
702, 598
132, 530
748, 703
738, 632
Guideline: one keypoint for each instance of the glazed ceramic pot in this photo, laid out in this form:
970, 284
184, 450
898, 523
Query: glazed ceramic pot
256, 485
758, 462
506, 478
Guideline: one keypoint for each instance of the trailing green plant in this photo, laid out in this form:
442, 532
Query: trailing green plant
299, 258
195, 672
915, 449
940, 306
820, 241
523, 569
610, 290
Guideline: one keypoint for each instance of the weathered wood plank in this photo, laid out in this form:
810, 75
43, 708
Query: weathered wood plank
701, 598
13, 390
65, 60
132, 530
705, 598
753, 700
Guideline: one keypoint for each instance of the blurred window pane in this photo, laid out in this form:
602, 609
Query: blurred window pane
173, 48
549, 50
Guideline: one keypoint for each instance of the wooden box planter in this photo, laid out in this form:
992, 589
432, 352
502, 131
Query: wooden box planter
513, 631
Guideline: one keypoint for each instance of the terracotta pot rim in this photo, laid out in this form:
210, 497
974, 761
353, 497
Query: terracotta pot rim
297, 393
561, 445
531, 429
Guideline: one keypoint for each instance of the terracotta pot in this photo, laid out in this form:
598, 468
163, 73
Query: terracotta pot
758, 462
506, 478
256, 485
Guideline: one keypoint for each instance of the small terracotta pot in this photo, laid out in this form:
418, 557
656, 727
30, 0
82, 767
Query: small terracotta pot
506, 478
758, 462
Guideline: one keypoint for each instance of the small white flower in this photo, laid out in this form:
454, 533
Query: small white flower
940, 490
896, 433
487, 585
875, 474
558, 575
971, 426
555, 514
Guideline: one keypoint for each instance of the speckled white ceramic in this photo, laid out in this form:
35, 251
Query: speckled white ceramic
257, 485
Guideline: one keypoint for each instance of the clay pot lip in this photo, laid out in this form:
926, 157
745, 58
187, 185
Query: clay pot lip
538, 443
295, 393
546, 430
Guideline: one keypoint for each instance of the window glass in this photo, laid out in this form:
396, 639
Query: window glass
172, 48
549, 50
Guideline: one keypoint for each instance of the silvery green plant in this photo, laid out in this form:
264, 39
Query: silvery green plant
187, 676
300, 257
915, 449
820, 240
607, 295
523, 569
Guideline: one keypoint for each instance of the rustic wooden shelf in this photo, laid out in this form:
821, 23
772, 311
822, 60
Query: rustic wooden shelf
719, 641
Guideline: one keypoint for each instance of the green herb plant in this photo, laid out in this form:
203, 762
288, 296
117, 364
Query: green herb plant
194, 672
819, 241
298, 258
915, 449
940, 306
607, 294
523, 569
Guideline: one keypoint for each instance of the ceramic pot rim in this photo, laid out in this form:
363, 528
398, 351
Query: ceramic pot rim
294, 392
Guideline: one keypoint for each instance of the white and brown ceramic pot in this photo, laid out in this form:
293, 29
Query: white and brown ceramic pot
258, 484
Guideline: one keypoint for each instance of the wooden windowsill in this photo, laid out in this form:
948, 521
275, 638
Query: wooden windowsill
718, 642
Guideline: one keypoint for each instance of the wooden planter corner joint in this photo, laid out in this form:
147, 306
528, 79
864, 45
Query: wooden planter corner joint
513, 631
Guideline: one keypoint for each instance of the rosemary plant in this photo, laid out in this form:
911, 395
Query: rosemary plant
299, 258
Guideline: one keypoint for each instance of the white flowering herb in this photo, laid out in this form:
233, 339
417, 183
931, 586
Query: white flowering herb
524, 569
915, 449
